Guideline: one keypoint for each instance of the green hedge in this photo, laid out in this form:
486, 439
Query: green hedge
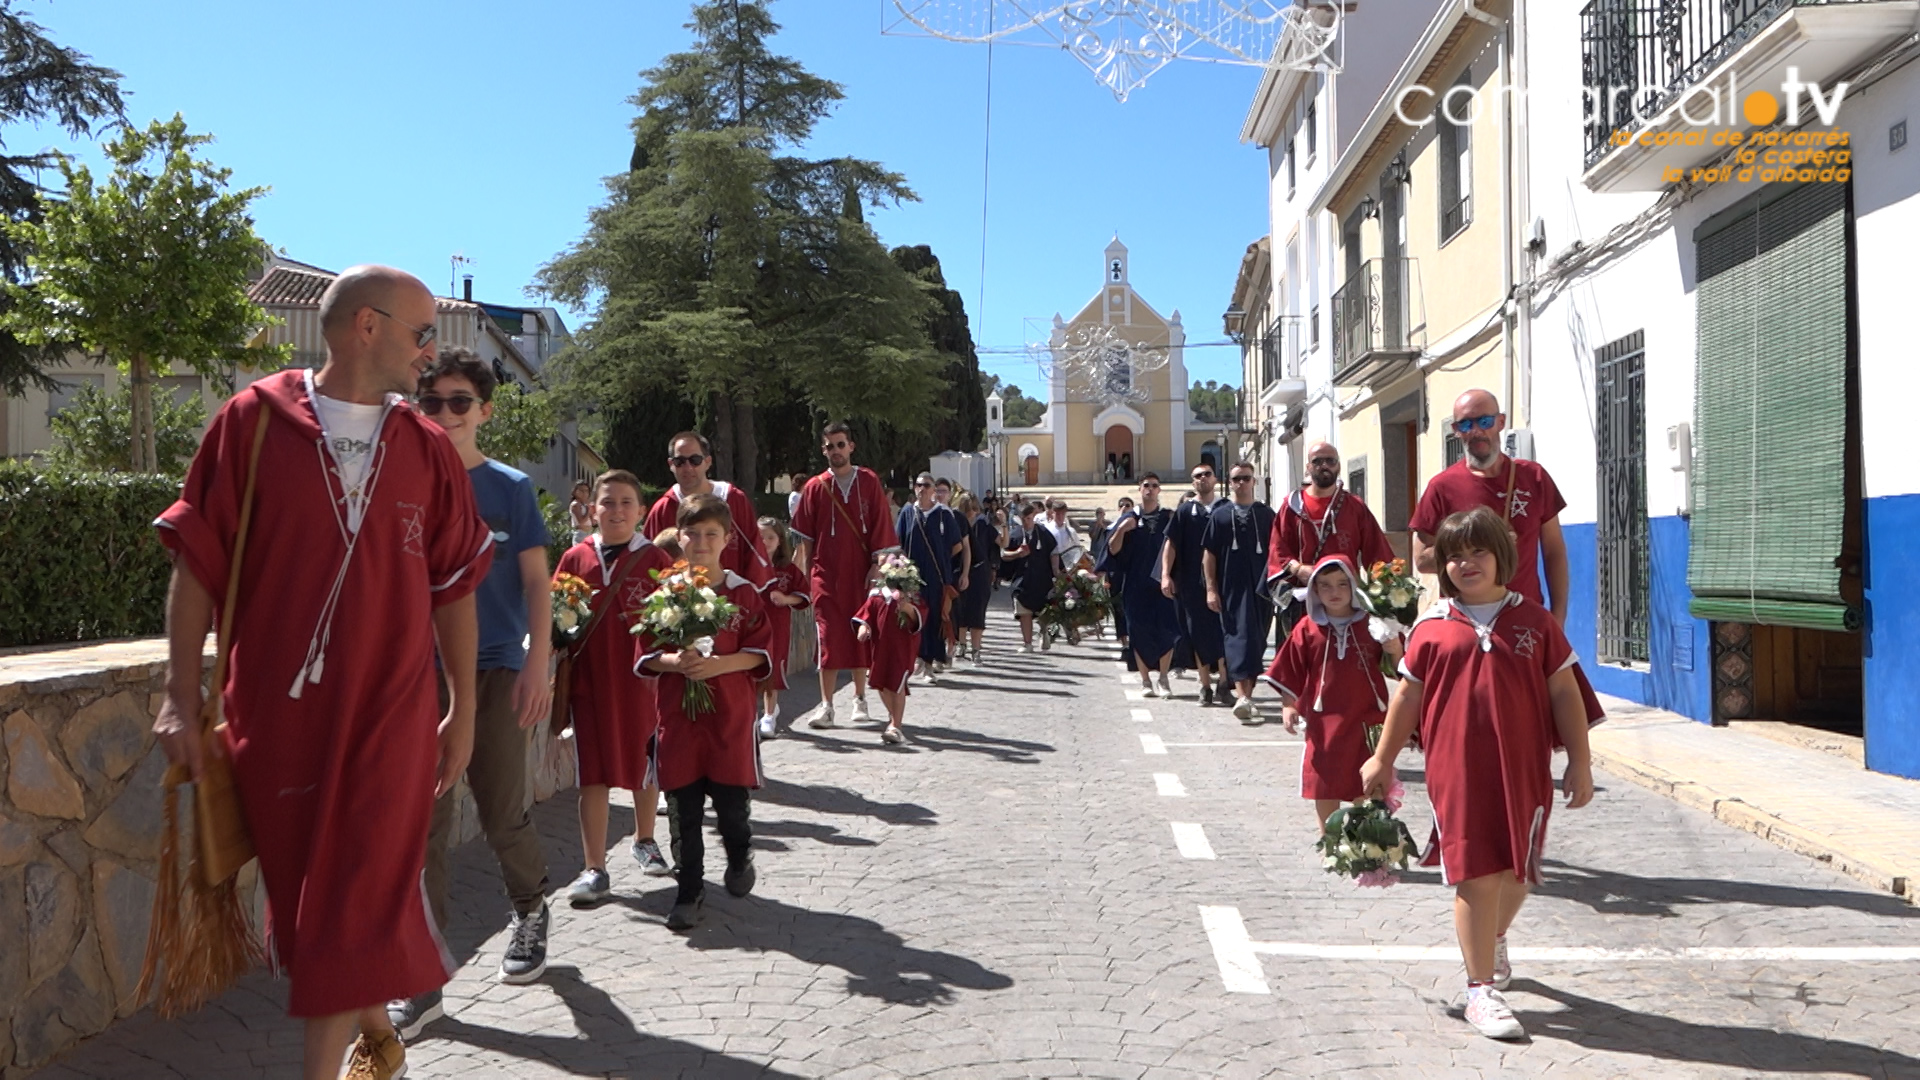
78, 555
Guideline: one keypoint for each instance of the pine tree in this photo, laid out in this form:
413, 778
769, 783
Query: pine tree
728, 271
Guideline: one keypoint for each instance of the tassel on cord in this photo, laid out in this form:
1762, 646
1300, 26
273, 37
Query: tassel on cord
202, 931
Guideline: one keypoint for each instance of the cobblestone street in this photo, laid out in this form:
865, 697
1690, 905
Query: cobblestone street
1054, 878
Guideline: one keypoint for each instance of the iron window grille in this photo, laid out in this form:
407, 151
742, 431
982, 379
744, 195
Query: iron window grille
1620, 453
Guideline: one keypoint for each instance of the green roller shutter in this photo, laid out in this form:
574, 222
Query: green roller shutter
1770, 411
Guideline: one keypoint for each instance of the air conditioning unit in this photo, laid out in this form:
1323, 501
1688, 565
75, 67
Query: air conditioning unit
1517, 443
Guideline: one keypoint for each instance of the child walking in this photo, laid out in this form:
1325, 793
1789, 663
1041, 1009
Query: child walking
891, 621
712, 754
786, 589
612, 712
1328, 675
1490, 685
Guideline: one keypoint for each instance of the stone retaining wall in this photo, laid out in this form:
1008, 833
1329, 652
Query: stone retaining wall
80, 826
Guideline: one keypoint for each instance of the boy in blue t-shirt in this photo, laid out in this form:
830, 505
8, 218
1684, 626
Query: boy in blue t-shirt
513, 692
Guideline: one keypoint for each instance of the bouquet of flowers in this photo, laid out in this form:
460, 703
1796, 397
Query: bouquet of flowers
572, 605
898, 573
1392, 596
686, 612
1079, 599
1363, 840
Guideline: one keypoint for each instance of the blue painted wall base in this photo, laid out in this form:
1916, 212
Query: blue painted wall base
1679, 674
1892, 668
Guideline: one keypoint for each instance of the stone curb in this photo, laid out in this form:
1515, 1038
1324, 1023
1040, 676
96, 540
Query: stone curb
1731, 810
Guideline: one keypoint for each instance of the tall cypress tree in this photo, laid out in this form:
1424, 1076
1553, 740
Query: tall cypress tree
729, 271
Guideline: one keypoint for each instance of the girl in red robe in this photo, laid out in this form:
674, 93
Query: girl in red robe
1328, 673
1490, 684
785, 590
710, 754
889, 624
612, 712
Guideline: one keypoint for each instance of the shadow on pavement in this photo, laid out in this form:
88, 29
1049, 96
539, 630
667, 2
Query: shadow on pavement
1610, 892
942, 739
839, 800
1598, 1025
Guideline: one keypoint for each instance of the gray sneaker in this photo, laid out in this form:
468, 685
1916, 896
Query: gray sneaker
591, 887
652, 863
526, 957
409, 1017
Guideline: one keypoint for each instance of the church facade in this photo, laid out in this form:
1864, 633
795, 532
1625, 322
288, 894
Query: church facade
1117, 396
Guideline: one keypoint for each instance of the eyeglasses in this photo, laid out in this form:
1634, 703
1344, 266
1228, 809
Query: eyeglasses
1149, 487
921, 484
1333, 461
458, 404
1471, 423
1241, 479
1203, 474
422, 335
694, 460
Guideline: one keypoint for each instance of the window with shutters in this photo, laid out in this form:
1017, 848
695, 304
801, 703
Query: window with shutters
1456, 158
1620, 452
1770, 512
1357, 478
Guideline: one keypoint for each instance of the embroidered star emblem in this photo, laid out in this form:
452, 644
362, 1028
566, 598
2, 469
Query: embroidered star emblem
413, 536
1520, 500
1526, 642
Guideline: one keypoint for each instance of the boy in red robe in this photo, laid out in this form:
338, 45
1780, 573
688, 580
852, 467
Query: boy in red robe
364, 547
710, 754
1328, 673
613, 713
690, 457
844, 524
1490, 684
889, 623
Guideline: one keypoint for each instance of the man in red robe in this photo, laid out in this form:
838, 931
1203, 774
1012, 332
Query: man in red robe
1321, 519
364, 550
690, 457
844, 527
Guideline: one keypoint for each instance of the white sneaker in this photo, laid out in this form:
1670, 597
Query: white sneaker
1150, 690
1488, 1013
1502, 968
1027, 647
860, 711
822, 717
1166, 691
892, 736
767, 726
1243, 710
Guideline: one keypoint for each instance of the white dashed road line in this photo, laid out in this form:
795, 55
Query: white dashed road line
1169, 785
1151, 744
1233, 951
1142, 716
1192, 840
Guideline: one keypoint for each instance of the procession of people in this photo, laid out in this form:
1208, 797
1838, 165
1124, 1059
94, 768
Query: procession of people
352, 841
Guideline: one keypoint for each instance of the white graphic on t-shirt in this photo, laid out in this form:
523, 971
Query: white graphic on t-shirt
1526, 642
1520, 499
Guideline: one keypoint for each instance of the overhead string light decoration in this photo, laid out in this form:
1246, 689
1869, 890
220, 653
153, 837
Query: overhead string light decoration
1124, 42
1098, 364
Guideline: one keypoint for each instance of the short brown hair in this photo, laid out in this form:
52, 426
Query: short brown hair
464, 363
669, 542
618, 476
695, 509
1478, 529
705, 446
836, 428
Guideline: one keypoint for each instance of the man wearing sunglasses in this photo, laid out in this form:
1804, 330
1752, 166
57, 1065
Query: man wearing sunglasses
1183, 577
1521, 492
844, 527
690, 457
1319, 519
1238, 532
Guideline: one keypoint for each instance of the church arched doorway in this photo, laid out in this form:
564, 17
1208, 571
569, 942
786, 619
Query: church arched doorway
1030, 463
1118, 453
1210, 455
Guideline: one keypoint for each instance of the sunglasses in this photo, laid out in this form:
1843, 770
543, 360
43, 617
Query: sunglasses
1241, 479
422, 335
921, 484
1149, 487
694, 460
458, 404
1203, 475
1472, 423
1333, 461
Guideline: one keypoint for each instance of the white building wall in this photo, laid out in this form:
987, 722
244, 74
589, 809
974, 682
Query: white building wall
1886, 203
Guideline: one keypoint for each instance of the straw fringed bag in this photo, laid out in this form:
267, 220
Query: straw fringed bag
200, 940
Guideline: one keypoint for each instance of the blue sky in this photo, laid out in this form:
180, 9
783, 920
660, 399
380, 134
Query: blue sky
404, 132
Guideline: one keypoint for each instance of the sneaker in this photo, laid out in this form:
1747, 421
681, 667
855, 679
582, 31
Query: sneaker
526, 957
686, 914
1027, 647
1166, 691
591, 887
1243, 710
1502, 969
1046, 643
646, 851
892, 736
408, 1017
767, 726
860, 711
822, 717
1206, 695
1488, 1013
739, 879
379, 1056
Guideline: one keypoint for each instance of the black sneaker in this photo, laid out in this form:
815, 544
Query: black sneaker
739, 879
686, 914
652, 863
526, 957
409, 1017
1206, 695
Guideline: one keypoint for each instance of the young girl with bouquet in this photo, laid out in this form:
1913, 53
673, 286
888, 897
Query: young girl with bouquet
785, 590
889, 623
1489, 683
1329, 678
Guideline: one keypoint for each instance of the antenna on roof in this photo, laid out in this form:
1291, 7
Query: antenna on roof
456, 261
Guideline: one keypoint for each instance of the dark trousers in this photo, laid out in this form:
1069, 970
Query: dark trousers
686, 808
933, 640
497, 776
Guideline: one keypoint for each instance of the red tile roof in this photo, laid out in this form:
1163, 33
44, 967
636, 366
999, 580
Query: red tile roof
286, 286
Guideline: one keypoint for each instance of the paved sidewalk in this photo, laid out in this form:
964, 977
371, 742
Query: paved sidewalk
1821, 805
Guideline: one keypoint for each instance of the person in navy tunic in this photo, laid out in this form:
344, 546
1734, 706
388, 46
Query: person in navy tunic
1236, 571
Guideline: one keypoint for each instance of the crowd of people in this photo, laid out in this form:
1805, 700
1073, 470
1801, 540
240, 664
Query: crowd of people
346, 749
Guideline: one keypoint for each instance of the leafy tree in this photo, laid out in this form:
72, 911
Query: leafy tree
1213, 403
523, 426
726, 271
148, 268
92, 432
40, 82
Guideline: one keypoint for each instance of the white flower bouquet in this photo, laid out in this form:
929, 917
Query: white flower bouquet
686, 612
1365, 842
898, 573
572, 607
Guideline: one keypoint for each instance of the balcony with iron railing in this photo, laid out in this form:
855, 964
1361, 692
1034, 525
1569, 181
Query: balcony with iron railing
1379, 323
1277, 362
1663, 77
